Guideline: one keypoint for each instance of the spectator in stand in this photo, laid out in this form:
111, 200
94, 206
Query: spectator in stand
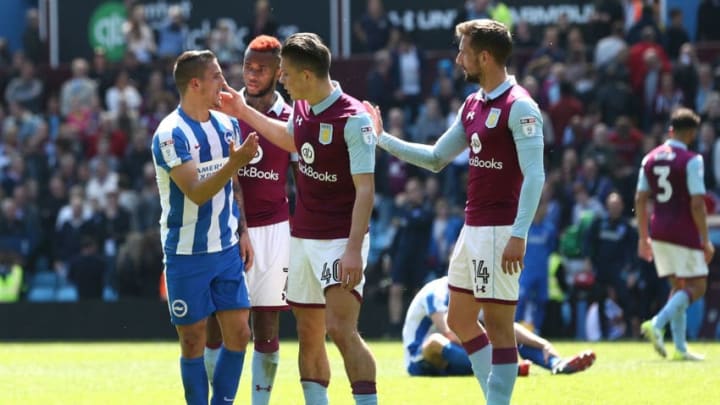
172, 36
541, 242
597, 184
613, 95
87, 270
33, 45
382, 83
584, 203
139, 37
600, 150
430, 121
685, 74
549, 46
675, 35
13, 175
123, 92
708, 15
647, 21
80, 92
262, 22
223, 43
667, 99
103, 72
373, 28
627, 141
566, 107
139, 266
605, 14
523, 36
148, 210
638, 63
414, 218
706, 86
136, 156
610, 250
709, 148
408, 65
609, 48
69, 230
49, 207
26, 89
445, 231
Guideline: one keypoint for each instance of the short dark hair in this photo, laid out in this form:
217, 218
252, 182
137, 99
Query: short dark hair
190, 65
308, 51
684, 119
487, 35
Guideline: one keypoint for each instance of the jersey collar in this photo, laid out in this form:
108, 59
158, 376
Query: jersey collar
278, 105
676, 144
329, 100
499, 90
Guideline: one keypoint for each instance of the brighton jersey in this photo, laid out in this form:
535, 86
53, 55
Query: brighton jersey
672, 174
185, 227
263, 179
433, 297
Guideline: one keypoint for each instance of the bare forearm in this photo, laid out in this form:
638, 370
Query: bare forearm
362, 210
238, 194
641, 215
203, 190
525, 337
273, 130
700, 217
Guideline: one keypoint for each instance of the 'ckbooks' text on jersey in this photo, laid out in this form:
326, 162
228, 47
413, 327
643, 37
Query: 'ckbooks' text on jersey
325, 188
185, 227
495, 177
263, 180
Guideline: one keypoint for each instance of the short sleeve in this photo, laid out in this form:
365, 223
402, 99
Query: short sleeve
360, 139
170, 149
696, 175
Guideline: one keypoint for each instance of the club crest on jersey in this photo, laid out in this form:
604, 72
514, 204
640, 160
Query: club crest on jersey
307, 153
493, 117
326, 134
258, 156
475, 143
228, 137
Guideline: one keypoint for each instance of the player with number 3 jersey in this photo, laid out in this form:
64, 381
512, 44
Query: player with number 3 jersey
672, 178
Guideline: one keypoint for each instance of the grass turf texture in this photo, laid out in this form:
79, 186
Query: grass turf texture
148, 373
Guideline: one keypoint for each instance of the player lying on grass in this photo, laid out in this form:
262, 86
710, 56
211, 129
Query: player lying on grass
432, 349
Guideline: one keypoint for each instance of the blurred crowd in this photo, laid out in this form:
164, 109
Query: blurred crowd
80, 205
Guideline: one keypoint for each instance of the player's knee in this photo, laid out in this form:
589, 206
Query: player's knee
237, 338
457, 325
697, 289
341, 333
192, 342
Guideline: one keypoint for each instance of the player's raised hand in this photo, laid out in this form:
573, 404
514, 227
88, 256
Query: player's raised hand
512, 258
375, 116
351, 269
645, 249
241, 156
232, 102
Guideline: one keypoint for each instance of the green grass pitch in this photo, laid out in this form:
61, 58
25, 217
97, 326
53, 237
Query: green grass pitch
148, 373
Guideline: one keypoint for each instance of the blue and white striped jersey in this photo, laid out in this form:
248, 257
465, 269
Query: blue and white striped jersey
185, 227
433, 297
